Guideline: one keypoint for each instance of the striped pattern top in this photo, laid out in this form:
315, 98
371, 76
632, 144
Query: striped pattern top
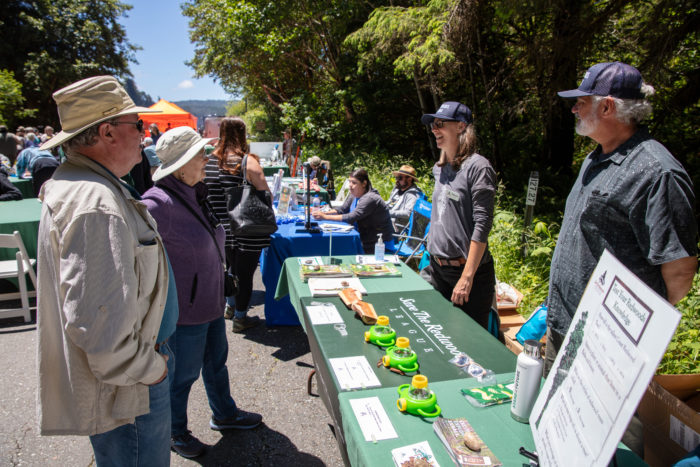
218, 183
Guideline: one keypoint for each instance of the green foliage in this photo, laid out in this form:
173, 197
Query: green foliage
530, 275
11, 100
51, 43
683, 353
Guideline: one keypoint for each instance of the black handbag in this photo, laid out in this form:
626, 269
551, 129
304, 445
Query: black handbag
250, 210
230, 281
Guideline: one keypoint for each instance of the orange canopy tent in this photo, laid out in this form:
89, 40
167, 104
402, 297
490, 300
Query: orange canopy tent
171, 116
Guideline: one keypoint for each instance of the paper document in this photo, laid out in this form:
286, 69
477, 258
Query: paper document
329, 286
310, 260
326, 227
369, 259
372, 418
354, 373
414, 453
324, 313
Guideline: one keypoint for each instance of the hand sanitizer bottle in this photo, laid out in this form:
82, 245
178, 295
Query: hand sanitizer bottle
379, 249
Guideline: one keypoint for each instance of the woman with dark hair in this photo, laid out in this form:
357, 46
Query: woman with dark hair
223, 172
461, 267
365, 208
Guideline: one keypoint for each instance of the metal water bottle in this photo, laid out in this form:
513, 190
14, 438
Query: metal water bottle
528, 375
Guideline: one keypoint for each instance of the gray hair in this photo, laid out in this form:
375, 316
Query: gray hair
631, 111
85, 138
147, 141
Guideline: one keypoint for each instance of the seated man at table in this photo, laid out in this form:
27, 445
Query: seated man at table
322, 174
8, 192
403, 197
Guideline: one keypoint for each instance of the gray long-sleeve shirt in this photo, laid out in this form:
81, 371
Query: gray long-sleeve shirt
372, 217
401, 204
463, 203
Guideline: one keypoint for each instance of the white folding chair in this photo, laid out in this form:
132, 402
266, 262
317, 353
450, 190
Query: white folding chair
343, 193
19, 267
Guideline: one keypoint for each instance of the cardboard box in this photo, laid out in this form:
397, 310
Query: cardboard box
671, 427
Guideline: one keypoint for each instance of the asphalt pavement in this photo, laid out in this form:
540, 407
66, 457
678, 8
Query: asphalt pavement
268, 368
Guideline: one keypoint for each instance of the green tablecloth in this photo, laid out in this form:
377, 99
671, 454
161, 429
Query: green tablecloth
24, 185
290, 282
270, 170
493, 424
433, 326
22, 216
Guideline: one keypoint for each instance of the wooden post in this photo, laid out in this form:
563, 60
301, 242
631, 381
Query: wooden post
529, 208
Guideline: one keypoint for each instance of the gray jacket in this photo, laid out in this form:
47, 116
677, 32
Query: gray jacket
372, 217
401, 205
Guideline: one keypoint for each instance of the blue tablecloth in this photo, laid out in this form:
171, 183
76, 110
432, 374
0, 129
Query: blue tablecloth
288, 242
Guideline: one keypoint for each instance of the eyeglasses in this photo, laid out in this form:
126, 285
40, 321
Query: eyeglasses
437, 124
139, 124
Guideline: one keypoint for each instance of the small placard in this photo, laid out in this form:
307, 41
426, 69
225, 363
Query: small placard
373, 419
354, 373
324, 313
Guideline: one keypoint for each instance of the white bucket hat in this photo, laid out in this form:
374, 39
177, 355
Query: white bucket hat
90, 101
177, 147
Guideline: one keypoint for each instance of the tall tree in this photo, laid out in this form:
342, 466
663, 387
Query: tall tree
51, 43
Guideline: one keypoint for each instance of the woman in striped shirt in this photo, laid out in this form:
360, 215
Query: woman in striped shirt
223, 172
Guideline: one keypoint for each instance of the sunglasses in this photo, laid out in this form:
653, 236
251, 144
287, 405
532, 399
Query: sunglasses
401, 177
139, 124
437, 124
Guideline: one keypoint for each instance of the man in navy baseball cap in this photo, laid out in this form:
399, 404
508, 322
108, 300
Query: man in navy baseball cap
450, 111
632, 197
614, 79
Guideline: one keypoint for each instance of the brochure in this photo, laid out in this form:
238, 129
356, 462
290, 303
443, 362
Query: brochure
451, 432
375, 270
324, 270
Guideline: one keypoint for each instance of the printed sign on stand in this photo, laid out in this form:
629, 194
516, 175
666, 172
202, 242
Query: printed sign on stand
615, 342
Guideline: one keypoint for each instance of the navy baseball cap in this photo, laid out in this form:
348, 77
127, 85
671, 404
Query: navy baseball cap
614, 79
451, 111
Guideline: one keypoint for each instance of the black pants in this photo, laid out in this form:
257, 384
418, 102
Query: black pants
444, 279
242, 264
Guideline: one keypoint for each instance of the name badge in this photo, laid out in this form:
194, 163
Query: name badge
452, 195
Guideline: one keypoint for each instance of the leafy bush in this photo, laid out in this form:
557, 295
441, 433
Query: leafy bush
683, 353
528, 274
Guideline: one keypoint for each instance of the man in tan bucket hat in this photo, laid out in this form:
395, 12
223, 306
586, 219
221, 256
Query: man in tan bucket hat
103, 290
403, 196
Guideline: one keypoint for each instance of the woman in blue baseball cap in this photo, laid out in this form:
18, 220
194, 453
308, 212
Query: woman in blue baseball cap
461, 267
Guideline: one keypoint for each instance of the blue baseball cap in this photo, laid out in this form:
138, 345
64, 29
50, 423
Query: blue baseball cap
614, 79
451, 111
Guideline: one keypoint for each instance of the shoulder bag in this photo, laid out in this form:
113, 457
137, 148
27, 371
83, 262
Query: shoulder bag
250, 210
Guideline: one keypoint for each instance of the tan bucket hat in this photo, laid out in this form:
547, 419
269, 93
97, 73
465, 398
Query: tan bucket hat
406, 170
176, 148
90, 101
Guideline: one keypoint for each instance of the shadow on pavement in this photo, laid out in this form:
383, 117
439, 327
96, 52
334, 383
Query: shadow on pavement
291, 341
261, 446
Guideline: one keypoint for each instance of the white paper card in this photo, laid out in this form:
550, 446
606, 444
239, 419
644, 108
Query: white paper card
369, 259
354, 373
325, 313
310, 260
682, 434
329, 286
373, 419
616, 339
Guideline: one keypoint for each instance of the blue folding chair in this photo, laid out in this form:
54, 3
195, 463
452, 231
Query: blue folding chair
412, 240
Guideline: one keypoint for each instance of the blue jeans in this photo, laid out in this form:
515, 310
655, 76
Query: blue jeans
146, 442
200, 347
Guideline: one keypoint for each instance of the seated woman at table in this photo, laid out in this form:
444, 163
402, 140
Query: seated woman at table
242, 252
365, 208
194, 240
